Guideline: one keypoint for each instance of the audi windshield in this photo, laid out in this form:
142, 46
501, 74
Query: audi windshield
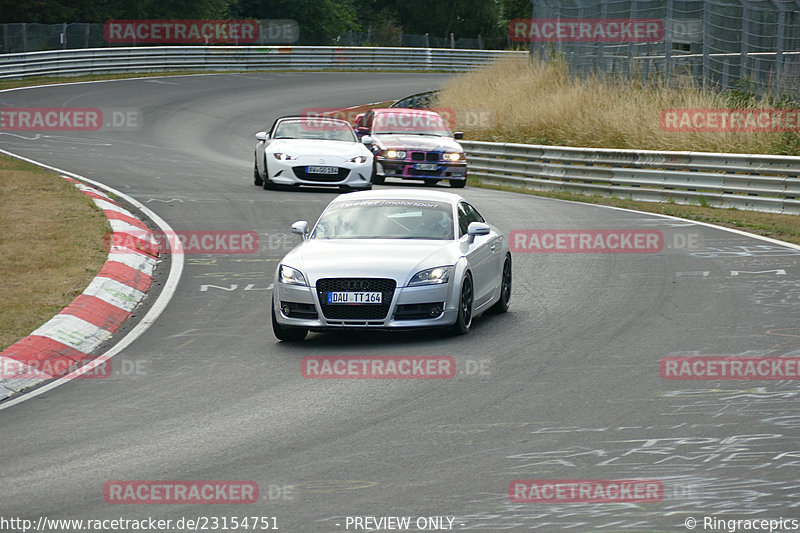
386, 219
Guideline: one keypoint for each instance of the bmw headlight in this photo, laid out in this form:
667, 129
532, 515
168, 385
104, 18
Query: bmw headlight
453, 156
395, 154
282, 156
431, 276
291, 276
359, 159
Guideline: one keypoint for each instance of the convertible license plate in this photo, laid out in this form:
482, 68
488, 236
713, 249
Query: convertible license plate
322, 170
355, 297
426, 166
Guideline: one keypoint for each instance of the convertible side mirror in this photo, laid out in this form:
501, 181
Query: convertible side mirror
301, 228
261, 136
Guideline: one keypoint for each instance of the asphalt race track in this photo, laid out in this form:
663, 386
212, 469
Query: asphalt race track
565, 386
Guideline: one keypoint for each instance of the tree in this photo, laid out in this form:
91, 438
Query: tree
320, 21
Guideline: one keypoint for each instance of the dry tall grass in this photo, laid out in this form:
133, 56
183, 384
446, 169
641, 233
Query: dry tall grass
540, 103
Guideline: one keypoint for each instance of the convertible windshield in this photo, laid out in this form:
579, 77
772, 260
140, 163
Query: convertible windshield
314, 128
386, 219
411, 123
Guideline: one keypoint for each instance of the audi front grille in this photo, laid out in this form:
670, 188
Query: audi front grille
356, 311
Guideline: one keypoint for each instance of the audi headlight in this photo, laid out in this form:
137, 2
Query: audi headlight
453, 156
395, 154
291, 276
359, 159
431, 276
282, 156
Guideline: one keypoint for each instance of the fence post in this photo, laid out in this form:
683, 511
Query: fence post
745, 39
779, 51
725, 72
452, 40
600, 46
629, 65
64, 35
86, 41
706, 43
24, 37
427, 40
669, 25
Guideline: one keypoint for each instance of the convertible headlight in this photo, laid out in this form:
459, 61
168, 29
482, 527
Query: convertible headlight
452, 156
359, 159
291, 276
395, 154
431, 276
282, 157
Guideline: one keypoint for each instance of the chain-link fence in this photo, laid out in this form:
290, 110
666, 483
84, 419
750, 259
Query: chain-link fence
30, 37
751, 44
352, 38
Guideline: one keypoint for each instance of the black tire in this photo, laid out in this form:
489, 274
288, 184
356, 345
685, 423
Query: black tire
378, 180
287, 333
257, 181
465, 301
505, 288
458, 184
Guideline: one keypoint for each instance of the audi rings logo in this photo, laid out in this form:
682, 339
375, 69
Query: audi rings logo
354, 284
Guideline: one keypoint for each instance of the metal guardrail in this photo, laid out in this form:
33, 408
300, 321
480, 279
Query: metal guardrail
165, 58
753, 182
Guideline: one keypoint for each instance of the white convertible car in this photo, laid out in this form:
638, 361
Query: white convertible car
315, 151
391, 259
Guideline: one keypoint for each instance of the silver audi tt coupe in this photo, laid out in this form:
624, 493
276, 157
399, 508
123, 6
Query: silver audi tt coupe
391, 259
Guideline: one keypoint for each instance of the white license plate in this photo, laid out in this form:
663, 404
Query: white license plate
426, 166
355, 297
322, 170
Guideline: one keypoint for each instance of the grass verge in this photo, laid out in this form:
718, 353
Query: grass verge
51, 244
538, 102
776, 226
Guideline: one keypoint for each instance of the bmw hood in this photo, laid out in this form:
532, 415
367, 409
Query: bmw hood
398, 259
427, 143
